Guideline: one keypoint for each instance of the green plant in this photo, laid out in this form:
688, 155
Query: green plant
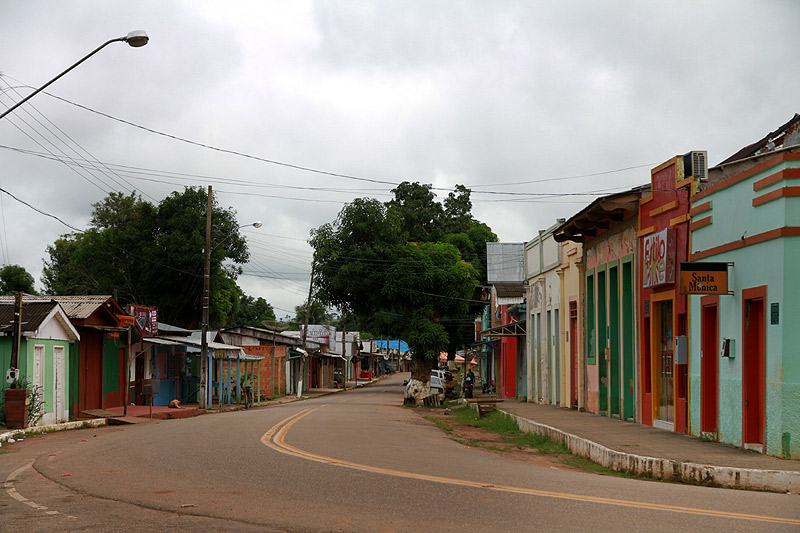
36, 405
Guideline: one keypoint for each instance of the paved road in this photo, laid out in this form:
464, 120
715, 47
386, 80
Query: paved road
354, 461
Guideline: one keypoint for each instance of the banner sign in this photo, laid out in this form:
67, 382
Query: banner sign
125, 320
322, 334
704, 278
658, 266
146, 319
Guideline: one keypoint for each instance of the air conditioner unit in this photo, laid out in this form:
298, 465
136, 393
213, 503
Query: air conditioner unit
695, 164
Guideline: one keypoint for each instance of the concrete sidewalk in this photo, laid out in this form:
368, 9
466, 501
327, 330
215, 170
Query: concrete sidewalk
656, 453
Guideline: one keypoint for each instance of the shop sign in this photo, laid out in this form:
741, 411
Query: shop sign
704, 278
658, 267
146, 319
323, 334
125, 320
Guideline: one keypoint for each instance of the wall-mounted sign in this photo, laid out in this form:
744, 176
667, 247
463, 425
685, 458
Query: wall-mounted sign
146, 319
704, 278
658, 267
125, 320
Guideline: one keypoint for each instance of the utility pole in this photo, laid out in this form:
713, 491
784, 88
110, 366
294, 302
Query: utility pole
344, 354
17, 330
305, 328
127, 374
206, 298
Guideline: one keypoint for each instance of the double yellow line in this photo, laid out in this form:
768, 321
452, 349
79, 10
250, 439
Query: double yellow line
275, 438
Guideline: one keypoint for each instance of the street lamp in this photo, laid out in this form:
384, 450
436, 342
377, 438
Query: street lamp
135, 39
204, 370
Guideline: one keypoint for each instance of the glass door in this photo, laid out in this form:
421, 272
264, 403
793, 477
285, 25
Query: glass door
666, 408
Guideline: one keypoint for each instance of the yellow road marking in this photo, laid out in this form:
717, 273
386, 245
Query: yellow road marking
275, 439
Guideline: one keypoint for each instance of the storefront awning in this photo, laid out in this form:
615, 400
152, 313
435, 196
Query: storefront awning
515, 329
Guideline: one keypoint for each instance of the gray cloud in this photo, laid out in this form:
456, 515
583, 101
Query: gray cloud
480, 93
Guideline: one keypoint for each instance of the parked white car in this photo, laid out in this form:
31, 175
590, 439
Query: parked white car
437, 387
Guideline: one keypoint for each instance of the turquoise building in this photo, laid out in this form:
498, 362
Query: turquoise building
744, 344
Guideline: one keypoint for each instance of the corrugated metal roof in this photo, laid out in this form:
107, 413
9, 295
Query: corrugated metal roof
33, 314
76, 307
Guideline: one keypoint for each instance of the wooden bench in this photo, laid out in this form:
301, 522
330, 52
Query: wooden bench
483, 406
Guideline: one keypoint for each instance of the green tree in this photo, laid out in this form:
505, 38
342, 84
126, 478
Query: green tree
253, 312
374, 264
419, 214
14, 278
318, 314
153, 255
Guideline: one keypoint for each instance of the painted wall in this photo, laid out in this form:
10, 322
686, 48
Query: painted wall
48, 373
608, 257
763, 243
543, 334
571, 296
665, 208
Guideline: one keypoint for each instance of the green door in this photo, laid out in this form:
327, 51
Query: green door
602, 343
628, 323
614, 370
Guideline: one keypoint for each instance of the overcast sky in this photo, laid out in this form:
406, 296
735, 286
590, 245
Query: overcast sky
485, 94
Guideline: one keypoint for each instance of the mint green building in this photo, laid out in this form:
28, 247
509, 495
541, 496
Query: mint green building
44, 354
744, 346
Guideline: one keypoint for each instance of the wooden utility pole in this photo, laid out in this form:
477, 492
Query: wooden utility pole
305, 328
127, 374
205, 302
344, 356
17, 330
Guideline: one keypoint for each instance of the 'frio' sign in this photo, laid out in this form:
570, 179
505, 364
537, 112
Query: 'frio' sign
704, 278
658, 267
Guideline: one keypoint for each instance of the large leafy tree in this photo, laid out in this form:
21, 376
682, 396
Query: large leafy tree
253, 312
153, 255
399, 269
14, 278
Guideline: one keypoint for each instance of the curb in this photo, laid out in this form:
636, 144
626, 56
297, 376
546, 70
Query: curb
667, 469
79, 424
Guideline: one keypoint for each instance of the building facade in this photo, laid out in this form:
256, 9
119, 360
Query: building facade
745, 343
662, 310
543, 293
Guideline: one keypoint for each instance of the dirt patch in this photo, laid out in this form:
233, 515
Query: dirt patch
494, 443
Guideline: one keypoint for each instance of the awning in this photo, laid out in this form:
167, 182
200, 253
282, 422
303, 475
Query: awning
219, 350
515, 329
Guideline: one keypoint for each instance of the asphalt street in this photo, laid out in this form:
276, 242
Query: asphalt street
352, 461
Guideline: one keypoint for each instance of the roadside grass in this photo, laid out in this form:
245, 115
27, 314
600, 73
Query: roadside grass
508, 429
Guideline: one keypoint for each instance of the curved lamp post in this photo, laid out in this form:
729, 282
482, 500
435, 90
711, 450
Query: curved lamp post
135, 39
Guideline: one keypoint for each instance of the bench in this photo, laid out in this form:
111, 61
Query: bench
483, 406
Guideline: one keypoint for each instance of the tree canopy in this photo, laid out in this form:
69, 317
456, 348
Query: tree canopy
14, 278
408, 268
154, 255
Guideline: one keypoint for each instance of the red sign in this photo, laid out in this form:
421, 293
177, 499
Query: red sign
146, 319
658, 266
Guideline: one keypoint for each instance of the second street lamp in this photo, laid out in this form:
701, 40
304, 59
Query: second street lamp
135, 39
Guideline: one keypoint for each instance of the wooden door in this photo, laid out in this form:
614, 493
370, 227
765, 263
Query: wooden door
709, 368
58, 383
573, 353
754, 404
